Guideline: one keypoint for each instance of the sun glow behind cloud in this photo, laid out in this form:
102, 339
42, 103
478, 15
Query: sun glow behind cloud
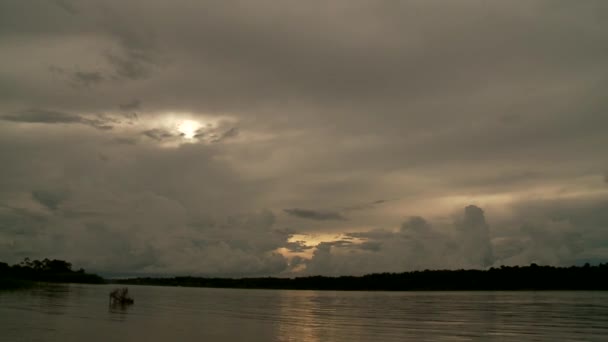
172, 129
188, 128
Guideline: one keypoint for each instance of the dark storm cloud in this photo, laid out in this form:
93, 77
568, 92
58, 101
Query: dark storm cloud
318, 215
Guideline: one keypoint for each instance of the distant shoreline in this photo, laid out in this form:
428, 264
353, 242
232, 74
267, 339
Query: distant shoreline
517, 278
505, 278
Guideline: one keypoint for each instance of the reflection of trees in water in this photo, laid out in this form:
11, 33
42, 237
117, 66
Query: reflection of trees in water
51, 298
118, 311
119, 303
121, 295
53, 291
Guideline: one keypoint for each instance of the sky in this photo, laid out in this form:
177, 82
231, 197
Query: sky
286, 138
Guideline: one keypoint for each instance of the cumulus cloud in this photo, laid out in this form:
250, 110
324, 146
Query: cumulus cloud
543, 242
147, 234
465, 243
474, 236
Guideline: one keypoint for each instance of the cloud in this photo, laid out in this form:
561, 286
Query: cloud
365, 206
474, 236
143, 219
329, 215
297, 246
535, 236
125, 141
158, 134
79, 78
371, 246
131, 105
88, 78
231, 133
67, 6
50, 199
133, 65
303, 106
317, 215
161, 237
43, 116
543, 242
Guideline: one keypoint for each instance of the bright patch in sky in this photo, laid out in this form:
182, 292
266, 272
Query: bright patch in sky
188, 128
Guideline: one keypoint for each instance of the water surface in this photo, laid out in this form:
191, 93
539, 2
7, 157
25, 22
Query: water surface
82, 313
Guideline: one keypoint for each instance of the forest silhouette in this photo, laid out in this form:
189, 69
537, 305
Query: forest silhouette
531, 277
52, 271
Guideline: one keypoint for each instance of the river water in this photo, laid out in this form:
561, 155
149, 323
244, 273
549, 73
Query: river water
82, 313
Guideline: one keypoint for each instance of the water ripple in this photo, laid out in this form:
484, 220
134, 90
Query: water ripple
79, 312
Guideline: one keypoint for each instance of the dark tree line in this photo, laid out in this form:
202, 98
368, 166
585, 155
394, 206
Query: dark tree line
531, 277
46, 270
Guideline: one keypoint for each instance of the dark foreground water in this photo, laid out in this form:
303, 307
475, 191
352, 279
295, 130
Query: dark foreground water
81, 313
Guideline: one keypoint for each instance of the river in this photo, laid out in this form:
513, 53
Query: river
67, 313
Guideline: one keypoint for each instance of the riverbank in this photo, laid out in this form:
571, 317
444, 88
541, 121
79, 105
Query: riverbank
29, 272
531, 277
